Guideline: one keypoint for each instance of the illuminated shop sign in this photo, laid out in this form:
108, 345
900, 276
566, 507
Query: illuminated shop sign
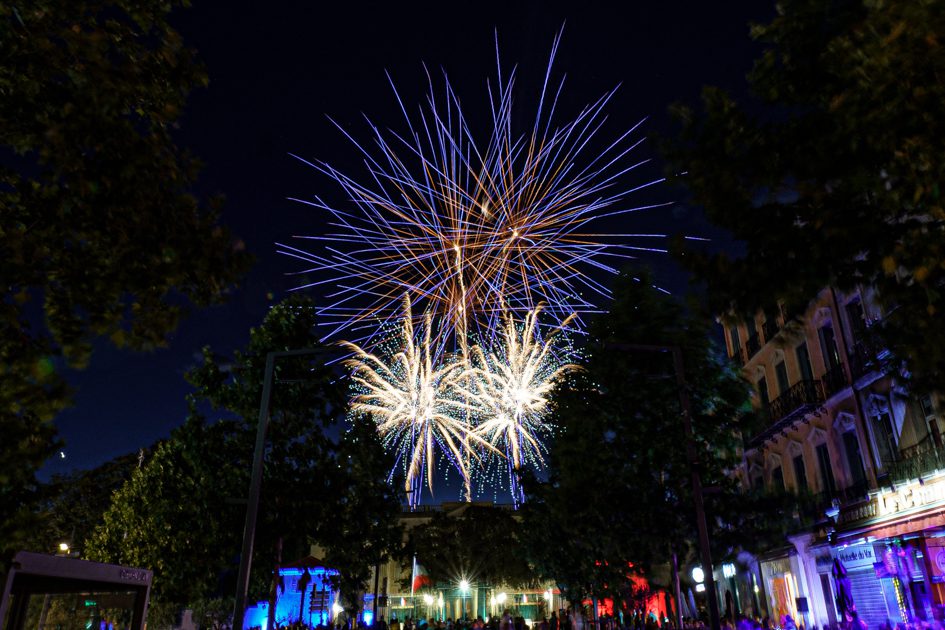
913, 495
856, 556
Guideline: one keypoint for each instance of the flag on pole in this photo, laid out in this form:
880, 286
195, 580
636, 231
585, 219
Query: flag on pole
420, 577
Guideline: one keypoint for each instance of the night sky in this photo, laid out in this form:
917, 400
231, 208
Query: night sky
277, 69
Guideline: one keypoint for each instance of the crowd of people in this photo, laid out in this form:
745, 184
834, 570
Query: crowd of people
635, 620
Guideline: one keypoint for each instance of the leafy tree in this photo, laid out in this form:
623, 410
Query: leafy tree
358, 523
832, 175
619, 481
101, 235
479, 543
322, 484
73, 505
173, 516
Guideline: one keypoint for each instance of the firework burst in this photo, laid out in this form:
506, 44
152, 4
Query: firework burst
474, 228
408, 395
509, 387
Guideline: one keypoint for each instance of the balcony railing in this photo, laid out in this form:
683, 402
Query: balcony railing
917, 461
864, 358
802, 396
851, 494
834, 380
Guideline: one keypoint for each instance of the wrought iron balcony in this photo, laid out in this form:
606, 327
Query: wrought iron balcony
917, 461
834, 380
801, 397
865, 358
853, 493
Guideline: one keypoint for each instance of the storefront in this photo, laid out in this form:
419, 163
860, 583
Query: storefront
781, 586
893, 548
868, 590
737, 588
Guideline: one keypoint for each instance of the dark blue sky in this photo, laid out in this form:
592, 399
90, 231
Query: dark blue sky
278, 68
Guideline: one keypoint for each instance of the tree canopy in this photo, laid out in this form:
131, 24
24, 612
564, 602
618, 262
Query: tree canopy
479, 543
102, 235
619, 480
324, 483
832, 174
73, 505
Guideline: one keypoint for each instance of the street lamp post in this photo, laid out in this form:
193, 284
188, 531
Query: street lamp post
255, 483
694, 467
463, 591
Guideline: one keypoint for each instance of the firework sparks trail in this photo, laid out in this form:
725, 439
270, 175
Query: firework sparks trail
509, 386
407, 394
474, 229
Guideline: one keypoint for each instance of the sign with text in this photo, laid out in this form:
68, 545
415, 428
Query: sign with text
914, 495
856, 556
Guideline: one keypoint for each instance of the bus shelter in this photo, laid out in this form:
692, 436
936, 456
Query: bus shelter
44, 592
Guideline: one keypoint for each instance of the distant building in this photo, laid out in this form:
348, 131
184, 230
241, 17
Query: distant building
871, 454
398, 585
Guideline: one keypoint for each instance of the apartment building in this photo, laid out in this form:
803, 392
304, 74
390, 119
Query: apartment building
840, 428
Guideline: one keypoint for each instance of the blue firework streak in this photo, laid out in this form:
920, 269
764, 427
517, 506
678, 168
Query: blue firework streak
475, 228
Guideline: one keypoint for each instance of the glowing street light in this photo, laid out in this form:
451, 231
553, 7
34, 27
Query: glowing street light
428, 599
64, 547
501, 597
698, 575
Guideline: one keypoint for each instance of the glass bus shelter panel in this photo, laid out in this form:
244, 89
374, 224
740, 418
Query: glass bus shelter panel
57, 593
77, 611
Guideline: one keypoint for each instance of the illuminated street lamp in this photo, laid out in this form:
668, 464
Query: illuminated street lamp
64, 548
698, 575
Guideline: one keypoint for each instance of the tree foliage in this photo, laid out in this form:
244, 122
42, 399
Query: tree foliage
101, 235
832, 175
73, 505
324, 483
173, 516
619, 484
358, 522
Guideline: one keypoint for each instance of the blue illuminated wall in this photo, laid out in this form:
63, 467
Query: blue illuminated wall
294, 600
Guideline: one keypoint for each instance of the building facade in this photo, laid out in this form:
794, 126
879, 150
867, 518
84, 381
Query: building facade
403, 592
868, 453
